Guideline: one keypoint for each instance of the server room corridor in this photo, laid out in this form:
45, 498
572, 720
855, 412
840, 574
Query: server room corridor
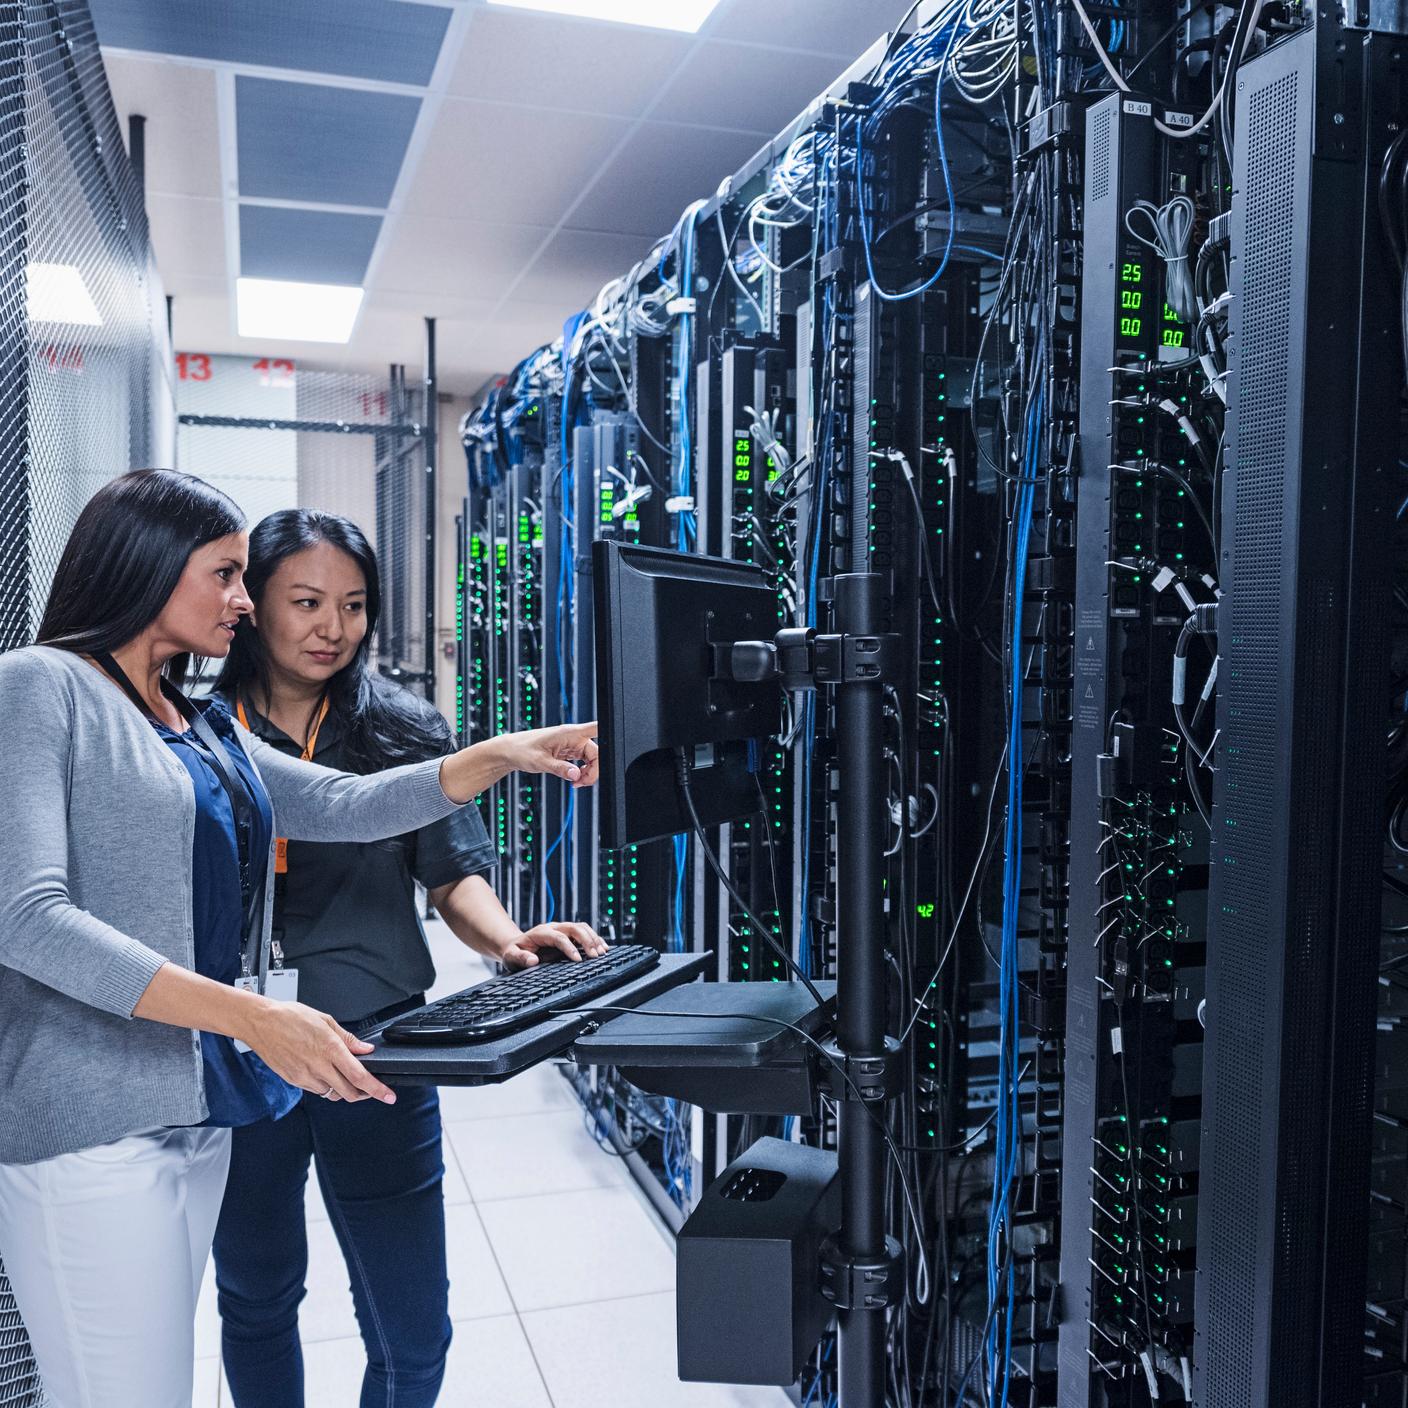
550, 1243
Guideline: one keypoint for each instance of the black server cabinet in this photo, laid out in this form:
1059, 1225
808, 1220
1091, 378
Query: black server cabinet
1298, 801
1137, 854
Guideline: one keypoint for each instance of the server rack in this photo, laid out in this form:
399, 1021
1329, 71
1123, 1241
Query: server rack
1298, 799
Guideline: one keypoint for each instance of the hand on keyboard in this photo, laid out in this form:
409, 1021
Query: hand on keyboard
575, 941
515, 1000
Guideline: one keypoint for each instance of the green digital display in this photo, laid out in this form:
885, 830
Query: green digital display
742, 459
1132, 299
1173, 331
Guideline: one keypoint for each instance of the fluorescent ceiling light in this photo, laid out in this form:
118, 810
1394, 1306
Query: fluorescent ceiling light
56, 293
683, 15
280, 308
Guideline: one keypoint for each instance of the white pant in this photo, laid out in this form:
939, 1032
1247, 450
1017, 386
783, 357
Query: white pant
105, 1250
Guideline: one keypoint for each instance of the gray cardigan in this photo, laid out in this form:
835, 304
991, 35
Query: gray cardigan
96, 835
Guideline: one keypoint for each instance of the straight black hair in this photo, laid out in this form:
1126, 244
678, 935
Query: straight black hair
125, 555
382, 725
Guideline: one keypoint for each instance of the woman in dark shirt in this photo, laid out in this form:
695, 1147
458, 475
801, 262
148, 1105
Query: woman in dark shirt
345, 919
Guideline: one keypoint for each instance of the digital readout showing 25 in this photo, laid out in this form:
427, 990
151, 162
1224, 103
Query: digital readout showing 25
1137, 298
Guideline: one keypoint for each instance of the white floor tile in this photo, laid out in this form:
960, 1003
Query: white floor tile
327, 1312
491, 1366
574, 1248
632, 1366
314, 1208
477, 1288
528, 1093
207, 1316
524, 1155
206, 1393
332, 1372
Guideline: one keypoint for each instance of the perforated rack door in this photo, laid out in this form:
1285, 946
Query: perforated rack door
1298, 800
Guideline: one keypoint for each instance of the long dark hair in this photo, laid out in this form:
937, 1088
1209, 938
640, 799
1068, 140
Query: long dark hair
381, 721
125, 555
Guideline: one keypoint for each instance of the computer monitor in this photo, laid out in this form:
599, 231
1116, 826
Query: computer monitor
659, 615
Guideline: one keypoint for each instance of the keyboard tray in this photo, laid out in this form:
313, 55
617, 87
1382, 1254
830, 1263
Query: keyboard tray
489, 1062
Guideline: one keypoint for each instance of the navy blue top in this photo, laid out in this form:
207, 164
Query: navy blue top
239, 1087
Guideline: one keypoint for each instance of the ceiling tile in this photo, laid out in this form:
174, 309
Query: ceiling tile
738, 85
317, 143
182, 133
316, 246
488, 162
202, 323
549, 61
188, 235
521, 327
845, 28
381, 39
457, 258
575, 266
430, 302
661, 169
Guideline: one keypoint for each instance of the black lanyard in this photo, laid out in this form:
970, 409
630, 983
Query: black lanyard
241, 799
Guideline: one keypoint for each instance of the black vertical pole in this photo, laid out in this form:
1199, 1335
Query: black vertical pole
860, 987
432, 445
137, 148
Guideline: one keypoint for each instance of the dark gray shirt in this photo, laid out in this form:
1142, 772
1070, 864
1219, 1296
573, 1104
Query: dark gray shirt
345, 913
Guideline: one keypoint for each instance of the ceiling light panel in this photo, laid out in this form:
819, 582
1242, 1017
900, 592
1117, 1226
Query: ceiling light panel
683, 15
281, 310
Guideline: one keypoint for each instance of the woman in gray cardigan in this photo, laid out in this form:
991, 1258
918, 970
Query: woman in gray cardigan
136, 856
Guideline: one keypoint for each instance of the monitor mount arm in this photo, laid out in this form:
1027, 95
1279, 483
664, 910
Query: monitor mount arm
801, 658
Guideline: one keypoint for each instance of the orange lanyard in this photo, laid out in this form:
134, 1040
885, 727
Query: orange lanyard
306, 756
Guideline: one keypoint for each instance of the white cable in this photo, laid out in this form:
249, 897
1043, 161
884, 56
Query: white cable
1172, 226
1118, 80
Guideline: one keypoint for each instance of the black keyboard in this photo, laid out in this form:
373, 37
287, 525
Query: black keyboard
513, 1000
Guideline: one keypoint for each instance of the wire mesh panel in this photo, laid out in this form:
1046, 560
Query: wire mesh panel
85, 362
85, 372
337, 471
404, 495
273, 435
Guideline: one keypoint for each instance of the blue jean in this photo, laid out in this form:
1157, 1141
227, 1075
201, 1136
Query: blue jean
380, 1170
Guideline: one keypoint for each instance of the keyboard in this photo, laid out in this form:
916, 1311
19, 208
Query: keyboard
512, 1001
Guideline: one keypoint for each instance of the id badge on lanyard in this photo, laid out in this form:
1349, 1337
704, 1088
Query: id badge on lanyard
280, 983
306, 756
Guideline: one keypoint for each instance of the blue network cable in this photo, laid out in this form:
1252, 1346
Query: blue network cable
683, 243
954, 32
1008, 1120
566, 590
820, 1368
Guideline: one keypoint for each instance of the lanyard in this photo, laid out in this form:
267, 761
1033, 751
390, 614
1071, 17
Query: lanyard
306, 756
241, 799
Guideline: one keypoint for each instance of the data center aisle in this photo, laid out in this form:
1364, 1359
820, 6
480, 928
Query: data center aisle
561, 1278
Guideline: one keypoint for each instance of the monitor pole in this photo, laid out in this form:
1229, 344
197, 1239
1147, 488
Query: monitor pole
862, 1268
